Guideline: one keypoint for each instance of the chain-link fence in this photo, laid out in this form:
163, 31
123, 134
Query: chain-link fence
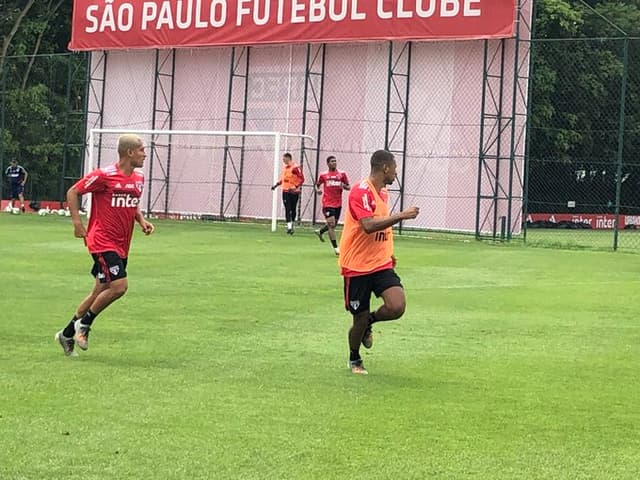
584, 124
352, 99
584, 138
42, 121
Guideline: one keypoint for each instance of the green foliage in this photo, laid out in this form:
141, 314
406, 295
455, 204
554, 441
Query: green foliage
557, 18
576, 102
35, 92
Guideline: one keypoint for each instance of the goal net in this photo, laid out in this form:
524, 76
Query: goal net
211, 175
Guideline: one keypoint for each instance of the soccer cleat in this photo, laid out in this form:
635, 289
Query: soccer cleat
67, 344
357, 367
290, 231
367, 340
337, 250
82, 335
319, 234
22, 209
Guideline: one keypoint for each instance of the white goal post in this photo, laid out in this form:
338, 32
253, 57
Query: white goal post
96, 143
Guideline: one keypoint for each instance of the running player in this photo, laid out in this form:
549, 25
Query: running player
366, 256
116, 191
334, 182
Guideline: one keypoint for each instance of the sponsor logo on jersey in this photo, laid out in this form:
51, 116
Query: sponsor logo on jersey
124, 200
381, 236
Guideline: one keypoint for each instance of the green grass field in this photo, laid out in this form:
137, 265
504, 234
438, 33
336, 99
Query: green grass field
227, 360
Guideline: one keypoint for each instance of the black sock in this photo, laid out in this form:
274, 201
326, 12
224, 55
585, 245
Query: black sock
354, 356
88, 318
324, 229
334, 243
70, 330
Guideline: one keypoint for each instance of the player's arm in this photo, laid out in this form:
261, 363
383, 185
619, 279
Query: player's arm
300, 176
147, 227
277, 184
345, 182
362, 206
371, 224
319, 184
26, 175
73, 202
92, 182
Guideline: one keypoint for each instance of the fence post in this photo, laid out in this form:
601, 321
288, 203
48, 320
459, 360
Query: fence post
3, 94
623, 97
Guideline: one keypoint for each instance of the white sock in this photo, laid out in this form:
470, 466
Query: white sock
289, 225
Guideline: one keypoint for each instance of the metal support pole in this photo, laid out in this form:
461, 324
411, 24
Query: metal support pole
481, 158
3, 93
527, 149
623, 103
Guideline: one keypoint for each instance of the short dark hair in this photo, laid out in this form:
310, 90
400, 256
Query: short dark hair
287, 155
330, 157
14, 160
380, 158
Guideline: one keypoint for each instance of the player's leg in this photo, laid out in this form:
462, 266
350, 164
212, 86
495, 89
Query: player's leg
115, 289
110, 270
288, 214
393, 306
294, 207
21, 198
65, 336
357, 294
321, 231
331, 226
356, 334
386, 284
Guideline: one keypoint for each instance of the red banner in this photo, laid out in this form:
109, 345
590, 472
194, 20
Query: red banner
591, 220
121, 24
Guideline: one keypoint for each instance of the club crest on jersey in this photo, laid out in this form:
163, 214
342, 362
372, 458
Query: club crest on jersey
139, 186
114, 270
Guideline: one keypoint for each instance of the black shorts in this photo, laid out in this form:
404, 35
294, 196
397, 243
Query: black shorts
331, 212
16, 191
357, 290
108, 266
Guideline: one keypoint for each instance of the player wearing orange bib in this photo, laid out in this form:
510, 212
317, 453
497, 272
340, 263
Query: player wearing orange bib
366, 256
291, 180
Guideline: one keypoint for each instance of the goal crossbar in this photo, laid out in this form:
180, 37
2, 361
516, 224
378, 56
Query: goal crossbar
277, 136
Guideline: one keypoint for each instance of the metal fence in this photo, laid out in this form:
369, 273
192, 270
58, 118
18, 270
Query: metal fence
42, 121
581, 181
583, 174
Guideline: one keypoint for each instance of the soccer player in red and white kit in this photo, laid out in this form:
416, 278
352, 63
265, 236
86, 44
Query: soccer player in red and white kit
334, 182
116, 190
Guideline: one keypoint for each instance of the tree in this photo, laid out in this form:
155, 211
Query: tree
576, 101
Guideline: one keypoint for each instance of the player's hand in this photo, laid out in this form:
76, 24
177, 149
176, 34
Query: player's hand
394, 261
319, 192
274, 187
79, 231
411, 212
147, 227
